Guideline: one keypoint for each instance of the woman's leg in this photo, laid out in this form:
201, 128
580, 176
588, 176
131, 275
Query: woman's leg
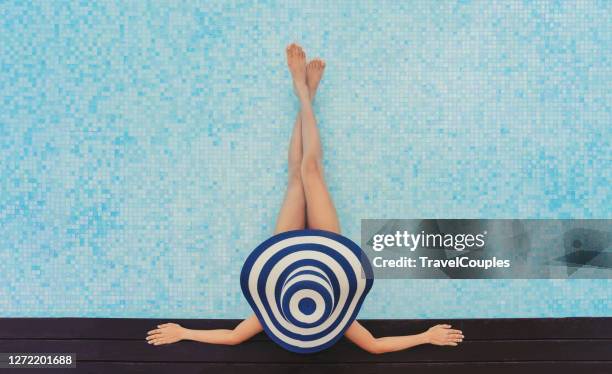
320, 210
292, 215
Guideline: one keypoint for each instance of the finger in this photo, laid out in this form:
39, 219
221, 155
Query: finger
455, 331
154, 336
154, 331
446, 326
455, 335
452, 344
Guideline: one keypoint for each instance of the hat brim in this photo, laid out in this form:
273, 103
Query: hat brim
327, 270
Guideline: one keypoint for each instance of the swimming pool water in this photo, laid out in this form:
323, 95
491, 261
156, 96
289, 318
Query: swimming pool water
143, 144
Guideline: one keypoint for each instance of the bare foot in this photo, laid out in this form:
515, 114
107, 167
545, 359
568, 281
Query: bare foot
314, 73
296, 60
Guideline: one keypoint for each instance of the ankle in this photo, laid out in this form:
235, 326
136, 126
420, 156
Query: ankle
305, 101
301, 90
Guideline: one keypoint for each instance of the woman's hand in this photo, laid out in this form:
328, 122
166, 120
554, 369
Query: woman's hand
443, 335
167, 333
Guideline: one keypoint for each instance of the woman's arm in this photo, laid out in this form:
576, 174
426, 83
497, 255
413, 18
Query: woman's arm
171, 333
438, 335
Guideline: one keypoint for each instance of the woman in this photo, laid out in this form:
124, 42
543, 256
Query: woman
307, 203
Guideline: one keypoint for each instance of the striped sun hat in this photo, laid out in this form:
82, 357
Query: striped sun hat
306, 287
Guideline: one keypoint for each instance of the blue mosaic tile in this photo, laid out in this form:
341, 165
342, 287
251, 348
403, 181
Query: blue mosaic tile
143, 144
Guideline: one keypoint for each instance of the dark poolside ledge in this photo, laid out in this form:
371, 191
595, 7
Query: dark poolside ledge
117, 345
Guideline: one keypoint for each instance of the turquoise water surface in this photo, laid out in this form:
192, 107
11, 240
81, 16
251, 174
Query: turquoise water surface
143, 143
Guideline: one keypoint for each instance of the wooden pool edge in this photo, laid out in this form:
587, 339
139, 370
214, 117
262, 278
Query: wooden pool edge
504, 345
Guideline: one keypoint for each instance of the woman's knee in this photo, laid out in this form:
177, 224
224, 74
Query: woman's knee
295, 173
311, 168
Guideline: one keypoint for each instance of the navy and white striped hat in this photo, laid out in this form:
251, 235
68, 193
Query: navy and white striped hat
306, 287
